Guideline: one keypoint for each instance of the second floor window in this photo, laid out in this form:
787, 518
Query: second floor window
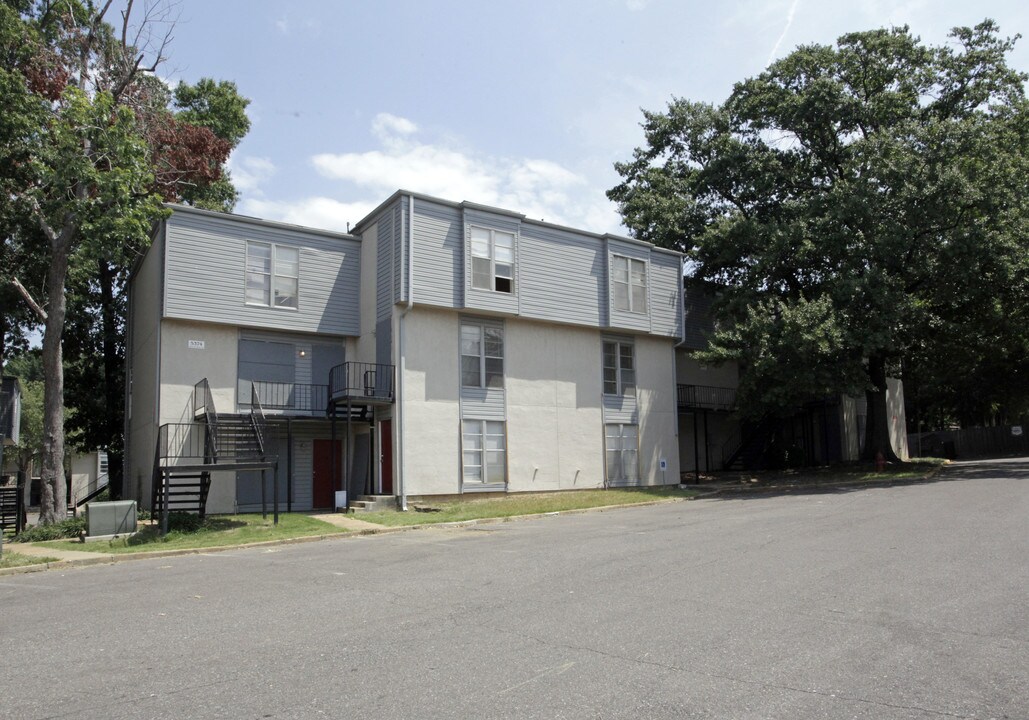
492, 260
629, 284
482, 355
619, 368
273, 274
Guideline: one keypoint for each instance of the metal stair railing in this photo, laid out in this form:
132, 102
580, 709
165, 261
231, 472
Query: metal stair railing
257, 419
203, 404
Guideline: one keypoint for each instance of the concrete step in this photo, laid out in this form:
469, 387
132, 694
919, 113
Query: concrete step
372, 503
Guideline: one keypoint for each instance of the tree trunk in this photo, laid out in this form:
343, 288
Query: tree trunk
53, 503
877, 421
113, 386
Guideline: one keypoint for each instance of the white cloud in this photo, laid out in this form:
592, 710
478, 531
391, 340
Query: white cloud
250, 173
539, 188
789, 22
637, 5
318, 212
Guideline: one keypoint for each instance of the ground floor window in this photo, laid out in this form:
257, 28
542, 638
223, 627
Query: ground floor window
623, 457
484, 449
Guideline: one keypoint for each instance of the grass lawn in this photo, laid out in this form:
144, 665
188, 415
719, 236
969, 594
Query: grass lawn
914, 469
216, 531
521, 504
13, 559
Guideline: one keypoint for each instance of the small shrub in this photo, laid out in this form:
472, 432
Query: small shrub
143, 514
70, 528
184, 522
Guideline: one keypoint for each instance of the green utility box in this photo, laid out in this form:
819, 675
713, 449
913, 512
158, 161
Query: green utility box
117, 517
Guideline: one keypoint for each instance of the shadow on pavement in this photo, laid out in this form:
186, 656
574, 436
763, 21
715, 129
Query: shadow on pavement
978, 469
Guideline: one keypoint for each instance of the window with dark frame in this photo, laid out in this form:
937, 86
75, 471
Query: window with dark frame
492, 254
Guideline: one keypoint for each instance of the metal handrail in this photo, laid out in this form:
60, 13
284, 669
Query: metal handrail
257, 418
203, 402
288, 396
706, 397
92, 487
362, 381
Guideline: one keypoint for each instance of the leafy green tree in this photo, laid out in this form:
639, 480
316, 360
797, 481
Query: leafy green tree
848, 200
94, 149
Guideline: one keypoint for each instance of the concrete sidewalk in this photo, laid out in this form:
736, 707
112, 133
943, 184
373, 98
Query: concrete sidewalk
64, 558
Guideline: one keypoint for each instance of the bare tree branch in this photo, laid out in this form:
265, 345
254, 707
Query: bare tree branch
36, 308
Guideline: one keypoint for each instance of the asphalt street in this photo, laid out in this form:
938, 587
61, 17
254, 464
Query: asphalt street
887, 602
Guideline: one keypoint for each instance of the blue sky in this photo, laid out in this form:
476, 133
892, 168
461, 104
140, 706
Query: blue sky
520, 105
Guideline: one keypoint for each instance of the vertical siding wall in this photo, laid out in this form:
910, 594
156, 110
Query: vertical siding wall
205, 274
561, 275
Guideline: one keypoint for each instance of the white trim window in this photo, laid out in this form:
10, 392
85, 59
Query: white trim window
619, 368
629, 284
492, 260
482, 355
622, 444
272, 275
484, 452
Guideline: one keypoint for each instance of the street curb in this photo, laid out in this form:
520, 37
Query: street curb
763, 489
104, 559
110, 559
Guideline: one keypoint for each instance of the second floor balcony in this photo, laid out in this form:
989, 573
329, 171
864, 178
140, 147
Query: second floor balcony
284, 398
706, 397
362, 383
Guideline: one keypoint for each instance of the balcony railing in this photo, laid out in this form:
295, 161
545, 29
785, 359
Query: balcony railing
184, 441
284, 397
704, 397
362, 382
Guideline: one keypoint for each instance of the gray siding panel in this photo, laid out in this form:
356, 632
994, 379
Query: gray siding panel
384, 267
483, 403
438, 276
561, 276
665, 294
206, 274
384, 341
621, 409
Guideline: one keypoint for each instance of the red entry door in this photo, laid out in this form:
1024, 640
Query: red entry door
386, 455
324, 483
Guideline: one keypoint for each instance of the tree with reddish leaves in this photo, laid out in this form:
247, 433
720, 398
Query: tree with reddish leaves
92, 144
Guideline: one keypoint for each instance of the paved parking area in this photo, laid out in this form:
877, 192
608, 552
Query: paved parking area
887, 602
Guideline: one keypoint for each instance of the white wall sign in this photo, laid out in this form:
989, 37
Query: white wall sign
195, 344
1016, 430
664, 464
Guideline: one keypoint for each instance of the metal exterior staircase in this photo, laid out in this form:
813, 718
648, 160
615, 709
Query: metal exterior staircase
188, 453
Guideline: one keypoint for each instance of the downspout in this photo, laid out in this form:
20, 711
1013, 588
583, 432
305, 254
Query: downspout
408, 230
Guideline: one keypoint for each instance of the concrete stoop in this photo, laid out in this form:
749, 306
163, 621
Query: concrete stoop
371, 503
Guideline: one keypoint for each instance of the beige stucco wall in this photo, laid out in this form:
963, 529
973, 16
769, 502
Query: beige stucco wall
655, 363
555, 432
182, 368
554, 420
431, 412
